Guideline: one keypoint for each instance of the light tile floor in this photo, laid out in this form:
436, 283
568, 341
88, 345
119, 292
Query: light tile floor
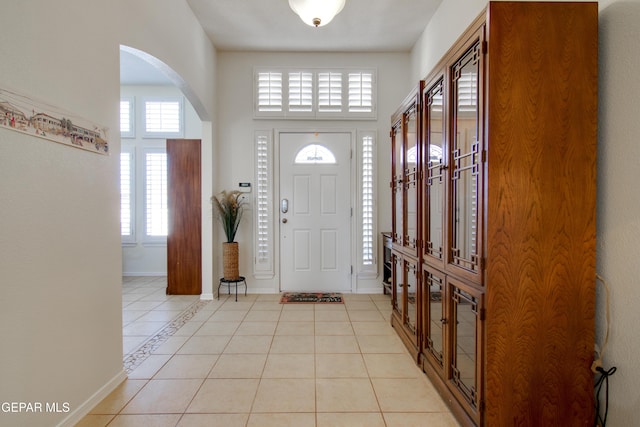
257, 362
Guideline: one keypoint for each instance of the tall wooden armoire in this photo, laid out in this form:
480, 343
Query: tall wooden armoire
494, 203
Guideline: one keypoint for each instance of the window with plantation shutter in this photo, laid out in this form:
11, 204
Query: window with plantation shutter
269, 92
126, 195
263, 226
163, 118
127, 118
336, 94
329, 92
156, 208
367, 206
300, 91
367, 200
361, 92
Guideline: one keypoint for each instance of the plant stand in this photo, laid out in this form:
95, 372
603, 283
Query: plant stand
230, 282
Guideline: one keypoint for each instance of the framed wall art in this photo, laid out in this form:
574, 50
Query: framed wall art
22, 113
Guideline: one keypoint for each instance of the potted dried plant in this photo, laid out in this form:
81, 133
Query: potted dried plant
229, 207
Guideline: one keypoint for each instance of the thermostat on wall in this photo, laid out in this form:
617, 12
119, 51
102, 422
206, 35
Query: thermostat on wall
245, 187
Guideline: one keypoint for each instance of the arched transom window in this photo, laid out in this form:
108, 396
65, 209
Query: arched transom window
315, 154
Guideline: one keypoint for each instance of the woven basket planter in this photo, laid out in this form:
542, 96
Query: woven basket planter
230, 261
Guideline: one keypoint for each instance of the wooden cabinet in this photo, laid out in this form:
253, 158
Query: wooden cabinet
405, 138
497, 301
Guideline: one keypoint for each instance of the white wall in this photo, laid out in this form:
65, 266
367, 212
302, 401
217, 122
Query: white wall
141, 258
618, 227
619, 203
237, 126
447, 24
60, 254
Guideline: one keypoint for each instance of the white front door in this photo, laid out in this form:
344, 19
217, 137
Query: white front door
315, 212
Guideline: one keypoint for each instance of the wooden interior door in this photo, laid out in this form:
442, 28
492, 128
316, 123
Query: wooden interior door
184, 241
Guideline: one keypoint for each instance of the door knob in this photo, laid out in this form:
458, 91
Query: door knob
284, 220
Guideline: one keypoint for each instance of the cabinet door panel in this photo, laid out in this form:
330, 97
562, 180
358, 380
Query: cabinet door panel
412, 292
411, 177
398, 215
435, 316
397, 182
466, 162
434, 159
466, 319
398, 283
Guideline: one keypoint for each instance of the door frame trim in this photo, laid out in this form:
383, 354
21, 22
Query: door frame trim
352, 197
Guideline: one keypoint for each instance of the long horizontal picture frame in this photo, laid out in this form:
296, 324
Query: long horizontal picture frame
22, 113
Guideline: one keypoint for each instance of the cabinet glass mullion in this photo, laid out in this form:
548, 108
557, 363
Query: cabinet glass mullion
465, 321
434, 160
435, 316
397, 184
411, 290
410, 128
465, 161
398, 283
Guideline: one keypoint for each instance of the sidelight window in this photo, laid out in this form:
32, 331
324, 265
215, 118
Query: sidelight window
263, 225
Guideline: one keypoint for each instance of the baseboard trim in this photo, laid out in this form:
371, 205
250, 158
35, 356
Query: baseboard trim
144, 274
376, 290
79, 413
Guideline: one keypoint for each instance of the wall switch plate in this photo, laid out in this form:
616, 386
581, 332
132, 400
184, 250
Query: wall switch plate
244, 187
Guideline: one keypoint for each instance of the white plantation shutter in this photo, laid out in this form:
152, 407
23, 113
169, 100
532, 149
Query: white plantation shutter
127, 118
361, 92
367, 200
126, 195
336, 94
301, 91
263, 259
163, 118
367, 250
269, 91
262, 247
156, 209
329, 92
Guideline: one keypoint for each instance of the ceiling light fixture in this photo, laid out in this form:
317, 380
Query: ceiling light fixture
316, 12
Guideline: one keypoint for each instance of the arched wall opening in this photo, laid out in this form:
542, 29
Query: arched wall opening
142, 73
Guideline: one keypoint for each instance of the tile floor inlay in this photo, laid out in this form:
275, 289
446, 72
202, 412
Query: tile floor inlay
133, 360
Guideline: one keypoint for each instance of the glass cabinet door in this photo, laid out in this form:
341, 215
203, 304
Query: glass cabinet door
411, 274
466, 335
466, 159
434, 160
411, 177
398, 283
435, 316
397, 184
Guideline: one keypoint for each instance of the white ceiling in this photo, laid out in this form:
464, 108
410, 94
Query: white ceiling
270, 25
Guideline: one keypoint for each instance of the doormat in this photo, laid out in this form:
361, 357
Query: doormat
311, 298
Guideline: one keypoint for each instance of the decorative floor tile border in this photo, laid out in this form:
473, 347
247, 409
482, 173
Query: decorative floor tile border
134, 359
